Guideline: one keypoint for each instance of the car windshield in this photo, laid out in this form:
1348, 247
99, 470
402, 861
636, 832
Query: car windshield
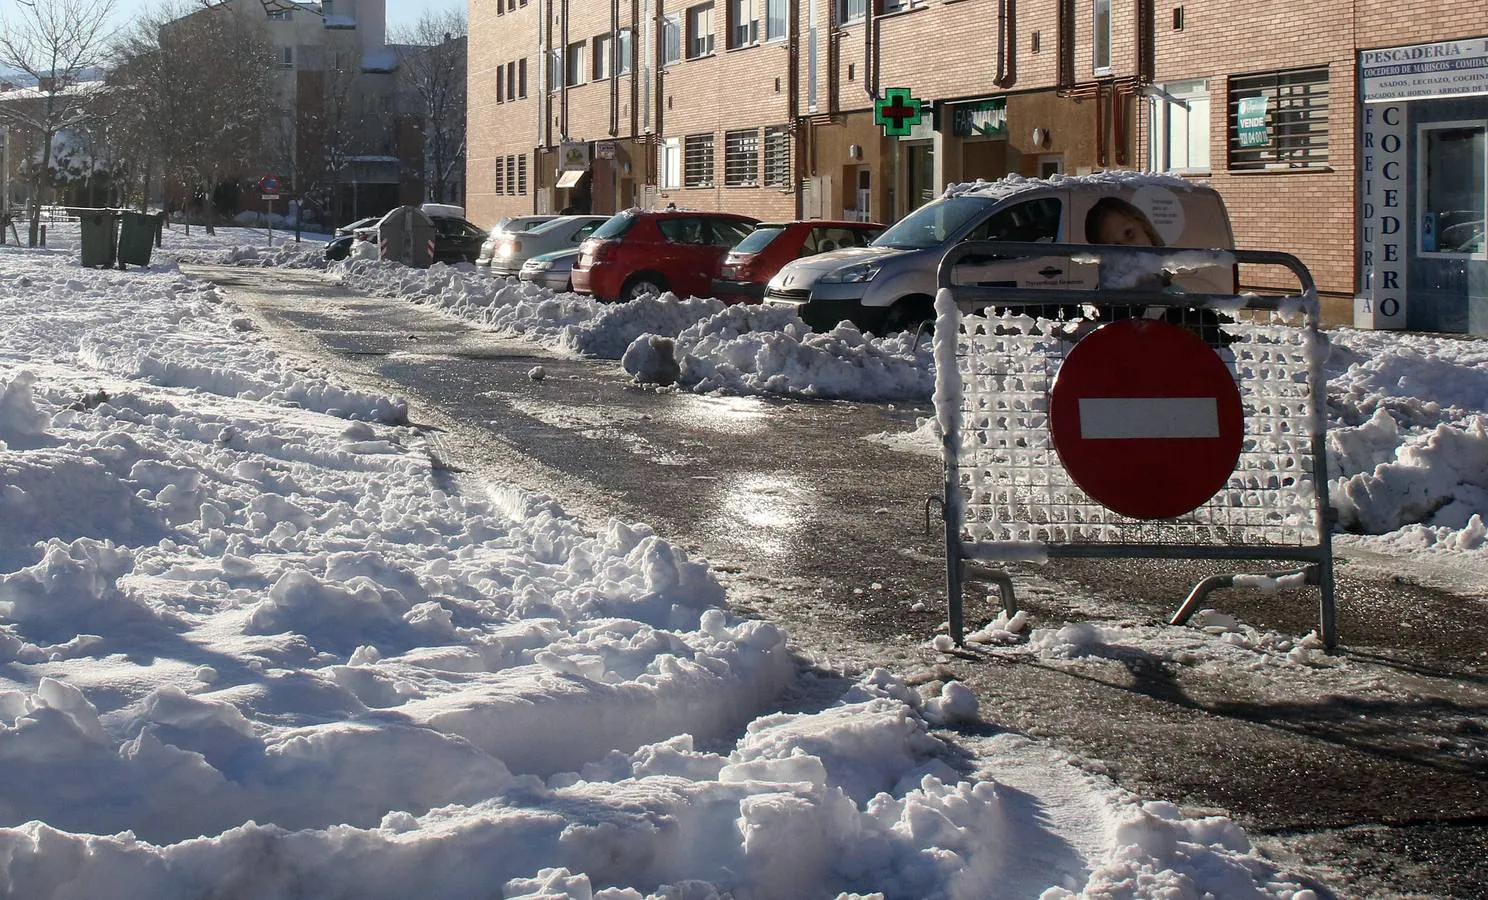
932, 224
759, 238
616, 226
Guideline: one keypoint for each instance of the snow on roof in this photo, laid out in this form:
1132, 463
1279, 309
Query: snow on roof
1017, 184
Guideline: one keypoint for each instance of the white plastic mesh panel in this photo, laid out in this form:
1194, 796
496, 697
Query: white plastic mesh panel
1016, 490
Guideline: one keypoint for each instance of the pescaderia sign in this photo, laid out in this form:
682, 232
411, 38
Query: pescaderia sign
1422, 71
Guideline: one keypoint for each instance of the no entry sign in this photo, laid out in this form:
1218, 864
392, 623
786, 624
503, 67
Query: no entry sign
1146, 418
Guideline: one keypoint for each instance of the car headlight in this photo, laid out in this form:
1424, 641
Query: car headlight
536, 265
851, 274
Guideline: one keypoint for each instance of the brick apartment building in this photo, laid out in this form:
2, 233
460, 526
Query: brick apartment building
1351, 132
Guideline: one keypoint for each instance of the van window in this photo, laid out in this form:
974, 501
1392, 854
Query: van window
933, 224
759, 238
681, 230
1035, 221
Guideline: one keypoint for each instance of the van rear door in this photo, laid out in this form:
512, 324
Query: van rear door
1153, 215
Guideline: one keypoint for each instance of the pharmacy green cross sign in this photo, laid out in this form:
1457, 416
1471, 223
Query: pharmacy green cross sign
897, 112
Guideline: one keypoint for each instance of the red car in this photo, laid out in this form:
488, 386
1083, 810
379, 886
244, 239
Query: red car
641, 252
755, 260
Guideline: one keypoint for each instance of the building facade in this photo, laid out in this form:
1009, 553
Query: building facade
776, 108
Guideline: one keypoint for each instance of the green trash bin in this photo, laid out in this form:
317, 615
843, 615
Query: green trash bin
98, 238
136, 238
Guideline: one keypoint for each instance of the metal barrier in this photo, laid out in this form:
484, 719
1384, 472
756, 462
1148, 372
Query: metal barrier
1009, 495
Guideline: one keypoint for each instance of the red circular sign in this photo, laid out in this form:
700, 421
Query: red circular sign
269, 184
1146, 418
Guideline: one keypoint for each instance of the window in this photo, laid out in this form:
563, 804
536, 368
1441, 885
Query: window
286, 57
743, 23
853, 10
511, 174
671, 39
522, 174
1453, 172
500, 7
327, 8
279, 15
1031, 222
777, 157
679, 230
511, 80
522, 77
700, 31
1180, 127
697, 160
500, 83
575, 63
775, 19
500, 176
671, 163
555, 69
741, 158
1278, 120
622, 53
727, 232
1101, 36
602, 57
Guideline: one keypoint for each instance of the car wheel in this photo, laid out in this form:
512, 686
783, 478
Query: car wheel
909, 314
642, 286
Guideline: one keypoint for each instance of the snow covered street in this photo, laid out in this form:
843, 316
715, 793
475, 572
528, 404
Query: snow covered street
257, 641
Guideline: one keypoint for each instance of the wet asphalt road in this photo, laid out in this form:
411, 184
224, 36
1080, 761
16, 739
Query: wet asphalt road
1379, 794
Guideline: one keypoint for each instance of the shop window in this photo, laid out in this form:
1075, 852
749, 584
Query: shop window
853, 10
622, 53
743, 23
1453, 173
671, 164
741, 158
1101, 37
575, 71
776, 19
602, 58
671, 40
1278, 121
777, 157
1180, 127
700, 31
697, 161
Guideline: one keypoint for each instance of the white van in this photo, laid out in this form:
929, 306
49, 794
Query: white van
890, 284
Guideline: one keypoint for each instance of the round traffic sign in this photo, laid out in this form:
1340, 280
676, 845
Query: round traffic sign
269, 184
1146, 418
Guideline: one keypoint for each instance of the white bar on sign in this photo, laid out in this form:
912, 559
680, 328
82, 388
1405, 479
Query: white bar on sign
1110, 418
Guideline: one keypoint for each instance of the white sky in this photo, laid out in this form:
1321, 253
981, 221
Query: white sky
253, 648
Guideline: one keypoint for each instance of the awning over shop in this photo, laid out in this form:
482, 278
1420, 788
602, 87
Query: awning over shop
570, 178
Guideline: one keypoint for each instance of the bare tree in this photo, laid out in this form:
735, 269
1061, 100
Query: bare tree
204, 102
56, 43
431, 71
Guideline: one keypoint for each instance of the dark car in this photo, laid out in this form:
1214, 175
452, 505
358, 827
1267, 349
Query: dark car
643, 252
455, 239
751, 264
339, 246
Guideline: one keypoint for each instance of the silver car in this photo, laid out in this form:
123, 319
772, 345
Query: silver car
503, 226
553, 271
514, 248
